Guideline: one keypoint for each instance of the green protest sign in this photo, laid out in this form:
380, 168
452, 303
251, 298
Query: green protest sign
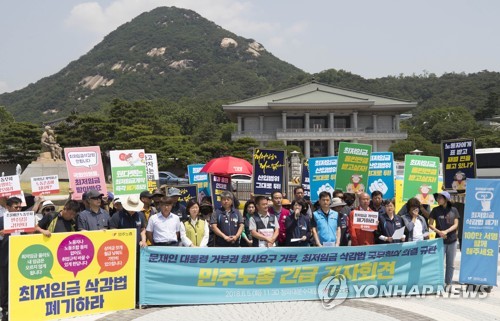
352, 167
421, 178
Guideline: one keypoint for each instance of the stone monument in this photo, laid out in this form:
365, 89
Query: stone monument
50, 161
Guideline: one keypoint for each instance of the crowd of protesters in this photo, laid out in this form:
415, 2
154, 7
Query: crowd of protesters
161, 220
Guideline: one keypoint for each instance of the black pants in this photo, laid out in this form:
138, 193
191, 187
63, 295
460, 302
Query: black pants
4, 289
167, 244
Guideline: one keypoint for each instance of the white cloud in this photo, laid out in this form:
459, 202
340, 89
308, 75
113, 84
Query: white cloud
4, 87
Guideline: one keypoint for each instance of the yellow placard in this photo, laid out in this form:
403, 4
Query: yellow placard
71, 274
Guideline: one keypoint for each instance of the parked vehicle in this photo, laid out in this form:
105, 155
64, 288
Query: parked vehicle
169, 178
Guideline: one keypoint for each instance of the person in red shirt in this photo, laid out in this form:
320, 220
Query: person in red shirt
359, 236
281, 214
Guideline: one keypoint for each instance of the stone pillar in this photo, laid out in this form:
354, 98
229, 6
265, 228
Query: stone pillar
306, 122
283, 121
331, 122
331, 147
396, 123
240, 124
375, 146
374, 123
355, 120
261, 123
307, 148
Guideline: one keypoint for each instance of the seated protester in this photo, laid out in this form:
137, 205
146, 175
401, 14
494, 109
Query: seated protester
298, 225
338, 206
377, 203
263, 226
325, 227
281, 214
131, 217
195, 231
164, 228
227, 222
207, 211
388, 223
414, 202
94, 218
61, 222
359, 236
416, 227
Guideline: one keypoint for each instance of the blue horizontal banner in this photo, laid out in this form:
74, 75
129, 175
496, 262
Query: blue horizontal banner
179, 276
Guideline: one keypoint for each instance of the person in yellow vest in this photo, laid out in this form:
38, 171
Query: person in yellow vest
194, 231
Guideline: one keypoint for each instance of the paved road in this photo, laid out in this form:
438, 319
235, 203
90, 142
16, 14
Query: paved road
387, 309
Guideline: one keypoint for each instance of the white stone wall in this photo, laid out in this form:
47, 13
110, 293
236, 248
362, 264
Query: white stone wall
250, 123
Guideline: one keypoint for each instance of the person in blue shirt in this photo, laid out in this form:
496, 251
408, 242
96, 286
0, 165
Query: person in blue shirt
324, 223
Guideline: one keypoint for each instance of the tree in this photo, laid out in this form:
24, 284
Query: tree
20, 142
491, 108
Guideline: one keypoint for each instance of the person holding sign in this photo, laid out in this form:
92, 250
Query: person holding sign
263, 226
325, 227
362, 236
446, 217
390, 226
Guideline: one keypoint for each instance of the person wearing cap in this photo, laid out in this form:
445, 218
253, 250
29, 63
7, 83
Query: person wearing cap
164, 228
227, 222
177, 208
340, 207
146, 199
156, 196
446, 218
324, 224
298, 225
281, 214
94, 218
106, 200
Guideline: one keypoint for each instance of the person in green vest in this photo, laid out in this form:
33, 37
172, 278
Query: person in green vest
194, 231
55, 222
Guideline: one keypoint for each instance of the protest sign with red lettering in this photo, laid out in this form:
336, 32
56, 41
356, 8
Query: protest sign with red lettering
17, 222
365, 220
9, 186
85, 170
45, 185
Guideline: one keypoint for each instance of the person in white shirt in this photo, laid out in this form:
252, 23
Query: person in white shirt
195, 231
164, 228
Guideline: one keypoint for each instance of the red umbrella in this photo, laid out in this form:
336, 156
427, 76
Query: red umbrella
228, 165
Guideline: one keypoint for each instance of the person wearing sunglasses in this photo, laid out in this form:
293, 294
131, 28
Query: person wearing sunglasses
94, 218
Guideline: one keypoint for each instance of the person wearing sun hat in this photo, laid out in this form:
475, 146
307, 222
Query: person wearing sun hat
131, 217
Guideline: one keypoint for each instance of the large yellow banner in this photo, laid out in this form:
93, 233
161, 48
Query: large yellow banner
71, 274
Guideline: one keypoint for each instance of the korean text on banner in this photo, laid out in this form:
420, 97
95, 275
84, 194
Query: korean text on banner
234, 275
269, 168
381, 174
305, 180
200, 179
188, 192
459, 163
322, 174
352, 168
19, 222
365, 220
218, 184
71, 274
10, 186
421, 178
85, 170
479, 262
152, 173
45, 185
128, 168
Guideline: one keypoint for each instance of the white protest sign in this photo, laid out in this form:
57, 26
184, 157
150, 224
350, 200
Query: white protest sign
9, 186
45, 185
365, 220
17, 222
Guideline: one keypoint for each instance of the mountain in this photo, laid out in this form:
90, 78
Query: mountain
167, 53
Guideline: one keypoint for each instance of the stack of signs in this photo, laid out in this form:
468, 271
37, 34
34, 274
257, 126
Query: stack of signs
421, 178
200, 179
306, 182
269, 168
381, 175
322, 173
353, 166
128, 168
459, 163
152, 171
85, 170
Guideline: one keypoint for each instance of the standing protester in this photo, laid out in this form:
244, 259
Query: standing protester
164, 228
146, 199
12, 204
61, 222
94, 218
414, 202
416, 227
248, 212
359, 236
207, 211
227, 222
325, 227
446, 217
298, 225
46, 208
177, 208
195, 231
377, 202
263, 220
298, 194
338, 206
281, 214
388, 223
157, 197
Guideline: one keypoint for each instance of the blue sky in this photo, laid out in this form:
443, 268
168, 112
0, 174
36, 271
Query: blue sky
366, 37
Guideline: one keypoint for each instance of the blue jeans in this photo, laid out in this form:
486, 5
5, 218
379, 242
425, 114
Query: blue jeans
450, 250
